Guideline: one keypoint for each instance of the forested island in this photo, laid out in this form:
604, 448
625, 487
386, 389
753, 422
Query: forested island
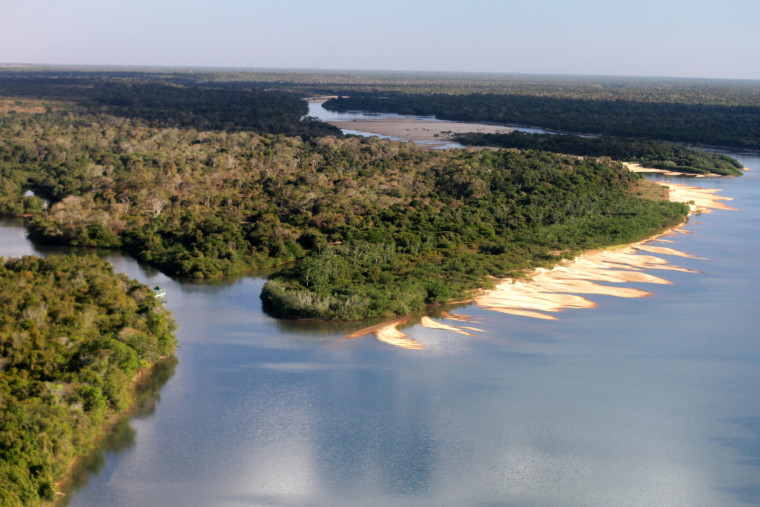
74, 337
654, 154
213, 175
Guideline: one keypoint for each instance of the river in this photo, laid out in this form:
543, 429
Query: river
652, 401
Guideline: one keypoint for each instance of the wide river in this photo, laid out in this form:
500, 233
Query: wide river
652, 401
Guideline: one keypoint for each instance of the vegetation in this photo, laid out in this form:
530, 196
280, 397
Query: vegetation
164, 104
214, 174
483, 215
714, 125
379, 227
688, 91
658, 155
73, 337
205, 204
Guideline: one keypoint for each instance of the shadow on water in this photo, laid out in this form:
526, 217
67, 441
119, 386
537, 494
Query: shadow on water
749, 448
121, 436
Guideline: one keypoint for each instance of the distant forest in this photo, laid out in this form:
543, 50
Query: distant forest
655, 154
719, 125
717, 113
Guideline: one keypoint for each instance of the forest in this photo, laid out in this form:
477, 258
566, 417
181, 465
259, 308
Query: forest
718, 125
74, 336
420, 227
655, 154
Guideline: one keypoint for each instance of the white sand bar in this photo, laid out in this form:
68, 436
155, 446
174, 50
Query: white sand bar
554, 290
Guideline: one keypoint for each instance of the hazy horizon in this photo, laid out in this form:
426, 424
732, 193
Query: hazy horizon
696, 39
369, 72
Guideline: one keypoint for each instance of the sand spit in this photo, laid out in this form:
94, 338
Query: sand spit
606, 272
464, 330
457, 317
701, 200
388, 332
550, 291
665, 251
638, 168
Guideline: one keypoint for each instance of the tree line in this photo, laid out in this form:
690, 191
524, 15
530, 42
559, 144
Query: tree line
205, 204
655, 154
711, 125
73, 337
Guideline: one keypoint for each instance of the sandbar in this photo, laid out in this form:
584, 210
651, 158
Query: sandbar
547, 292
418, 129
606, 272
388, 332
550, 291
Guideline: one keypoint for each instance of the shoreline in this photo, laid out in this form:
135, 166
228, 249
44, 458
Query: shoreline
638, 168
566, 285
142, 390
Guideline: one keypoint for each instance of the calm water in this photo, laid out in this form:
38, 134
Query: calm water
318, 111
638, 402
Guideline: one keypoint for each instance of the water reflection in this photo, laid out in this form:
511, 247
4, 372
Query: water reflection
651, 401
121, 436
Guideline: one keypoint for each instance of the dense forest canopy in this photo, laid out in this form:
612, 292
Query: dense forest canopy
168, 167
707, 124
336, 82
166, 104
707, 112
430, 225
655, 154
73, 335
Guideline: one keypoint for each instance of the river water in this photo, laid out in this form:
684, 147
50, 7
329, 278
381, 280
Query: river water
652, 401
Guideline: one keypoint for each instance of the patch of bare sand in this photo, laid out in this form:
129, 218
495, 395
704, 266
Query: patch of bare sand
463, 330
388, 332
416, 129
638, 168
701, 200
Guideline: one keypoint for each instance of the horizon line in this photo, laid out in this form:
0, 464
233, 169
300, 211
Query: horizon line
315, 70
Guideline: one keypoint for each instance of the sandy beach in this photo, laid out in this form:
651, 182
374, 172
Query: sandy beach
566, 285
570, 284
638, 168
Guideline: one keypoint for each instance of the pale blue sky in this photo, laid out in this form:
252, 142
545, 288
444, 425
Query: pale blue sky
696, 38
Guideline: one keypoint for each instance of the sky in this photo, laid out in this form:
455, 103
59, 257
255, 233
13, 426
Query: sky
673, 38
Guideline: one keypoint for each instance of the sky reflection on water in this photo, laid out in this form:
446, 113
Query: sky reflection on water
649, 401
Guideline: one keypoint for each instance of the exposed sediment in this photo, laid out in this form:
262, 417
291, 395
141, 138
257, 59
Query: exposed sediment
546, 292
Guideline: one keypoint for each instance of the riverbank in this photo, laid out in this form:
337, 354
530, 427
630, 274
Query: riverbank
144, 388
545, 292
